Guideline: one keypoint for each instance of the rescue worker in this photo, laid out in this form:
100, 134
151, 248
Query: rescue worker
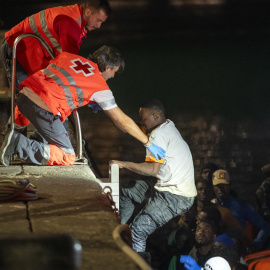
62, 28
48, 96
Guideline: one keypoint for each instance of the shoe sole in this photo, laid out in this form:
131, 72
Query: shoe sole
4, 147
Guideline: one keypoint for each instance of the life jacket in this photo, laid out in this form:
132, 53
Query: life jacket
259, 260
30, 53
67, 83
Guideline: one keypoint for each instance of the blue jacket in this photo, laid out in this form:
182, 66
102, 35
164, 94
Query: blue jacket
244, 212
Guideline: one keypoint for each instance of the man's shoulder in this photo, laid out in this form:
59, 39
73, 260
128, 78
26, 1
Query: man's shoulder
239, 204
233, 201
65, 19
73, 57
167, 129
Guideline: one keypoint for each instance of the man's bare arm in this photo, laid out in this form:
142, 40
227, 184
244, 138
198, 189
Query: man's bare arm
125, 123
145, 168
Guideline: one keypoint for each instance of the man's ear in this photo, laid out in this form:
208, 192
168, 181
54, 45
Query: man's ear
214, 237
156, 116
87, 12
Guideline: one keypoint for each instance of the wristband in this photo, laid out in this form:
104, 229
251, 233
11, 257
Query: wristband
147, 141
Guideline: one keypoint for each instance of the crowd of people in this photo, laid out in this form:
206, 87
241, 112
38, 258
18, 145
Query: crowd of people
212, 228
219, 224
241, 232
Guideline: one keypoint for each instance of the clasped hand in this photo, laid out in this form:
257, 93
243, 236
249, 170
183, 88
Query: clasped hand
157, 151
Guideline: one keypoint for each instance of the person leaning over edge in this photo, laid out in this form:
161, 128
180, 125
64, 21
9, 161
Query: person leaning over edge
174, 189
62, 28
50, 95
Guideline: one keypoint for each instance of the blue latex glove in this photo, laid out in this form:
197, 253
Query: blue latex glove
157, 151
94, 106
189, 263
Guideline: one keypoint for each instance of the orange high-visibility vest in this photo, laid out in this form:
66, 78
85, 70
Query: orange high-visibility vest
259, 260
30, 52
67, 83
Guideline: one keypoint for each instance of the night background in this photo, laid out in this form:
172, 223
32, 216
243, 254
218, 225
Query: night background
206, 60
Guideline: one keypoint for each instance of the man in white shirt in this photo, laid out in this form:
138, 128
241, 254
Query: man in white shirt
174, 189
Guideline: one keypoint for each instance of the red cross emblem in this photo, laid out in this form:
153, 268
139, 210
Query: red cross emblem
79, 66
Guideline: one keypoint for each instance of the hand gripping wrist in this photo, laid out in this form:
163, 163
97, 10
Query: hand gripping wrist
157, 151
145, 144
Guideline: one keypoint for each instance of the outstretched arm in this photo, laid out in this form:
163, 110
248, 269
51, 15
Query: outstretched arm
125, 123
145, 168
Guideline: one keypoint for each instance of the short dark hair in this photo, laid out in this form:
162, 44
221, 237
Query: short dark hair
107, 56
202, 181
154, 105
97, 5
213, 167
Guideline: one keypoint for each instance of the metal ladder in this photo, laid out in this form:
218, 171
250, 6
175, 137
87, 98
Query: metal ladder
79, 157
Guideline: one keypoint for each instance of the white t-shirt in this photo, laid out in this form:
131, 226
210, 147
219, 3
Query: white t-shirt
176, 173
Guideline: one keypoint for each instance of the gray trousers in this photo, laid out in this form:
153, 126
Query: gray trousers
49, 126
20, 75
159, 208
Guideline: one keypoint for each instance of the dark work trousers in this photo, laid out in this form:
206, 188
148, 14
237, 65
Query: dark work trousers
21, 74
159, 208
49, 127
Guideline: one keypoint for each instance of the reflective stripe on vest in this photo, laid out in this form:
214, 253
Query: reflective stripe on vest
66, 88
45, 30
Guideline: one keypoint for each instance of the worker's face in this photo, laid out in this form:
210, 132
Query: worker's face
94, 18
109, 73
222, 192
204, 234
148, 119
